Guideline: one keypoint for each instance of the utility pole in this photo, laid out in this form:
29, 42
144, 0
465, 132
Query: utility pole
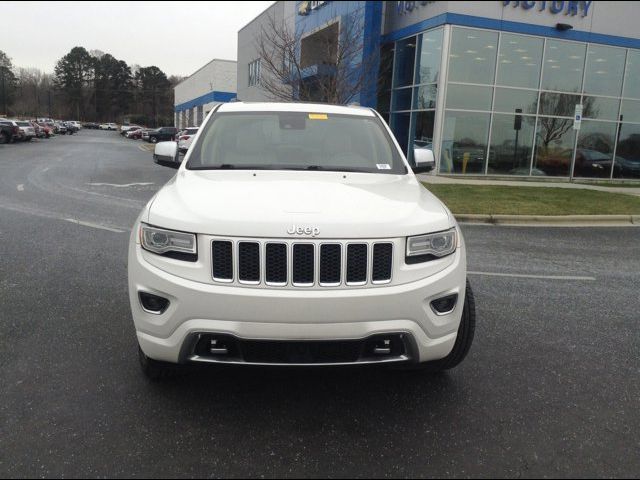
4, 92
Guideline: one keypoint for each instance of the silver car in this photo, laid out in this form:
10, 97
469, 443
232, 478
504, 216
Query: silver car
27, 132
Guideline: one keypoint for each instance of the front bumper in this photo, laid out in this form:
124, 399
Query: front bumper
293, 315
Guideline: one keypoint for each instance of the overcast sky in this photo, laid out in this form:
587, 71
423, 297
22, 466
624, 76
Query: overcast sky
177, 37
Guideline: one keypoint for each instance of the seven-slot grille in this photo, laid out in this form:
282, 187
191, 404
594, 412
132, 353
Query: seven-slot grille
302, 264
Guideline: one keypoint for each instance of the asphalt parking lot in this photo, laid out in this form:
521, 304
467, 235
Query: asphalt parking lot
551, 387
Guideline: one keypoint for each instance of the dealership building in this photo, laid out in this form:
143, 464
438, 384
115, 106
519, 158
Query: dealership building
517, 88
196, 95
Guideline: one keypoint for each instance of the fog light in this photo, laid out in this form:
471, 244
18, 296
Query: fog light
153, 303
444, 305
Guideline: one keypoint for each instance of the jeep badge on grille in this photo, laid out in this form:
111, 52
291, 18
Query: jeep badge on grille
294, 230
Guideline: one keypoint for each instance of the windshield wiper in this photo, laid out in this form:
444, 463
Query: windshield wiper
336, 169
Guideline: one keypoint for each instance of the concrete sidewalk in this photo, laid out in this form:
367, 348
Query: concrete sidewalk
437, 179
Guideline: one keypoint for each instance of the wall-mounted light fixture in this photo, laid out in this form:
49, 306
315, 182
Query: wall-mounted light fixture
563, 26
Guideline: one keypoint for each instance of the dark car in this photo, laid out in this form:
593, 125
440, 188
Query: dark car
8, 131
162, 134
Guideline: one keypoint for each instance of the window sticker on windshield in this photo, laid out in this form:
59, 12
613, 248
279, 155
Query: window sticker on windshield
383, 166
318, 116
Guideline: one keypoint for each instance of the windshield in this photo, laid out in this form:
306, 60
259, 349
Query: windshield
24, 124
296, 141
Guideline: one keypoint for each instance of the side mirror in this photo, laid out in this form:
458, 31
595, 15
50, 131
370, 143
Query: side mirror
424, 160
166, 154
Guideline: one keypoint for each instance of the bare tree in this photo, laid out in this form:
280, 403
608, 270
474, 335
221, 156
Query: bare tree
552, 128
327, 66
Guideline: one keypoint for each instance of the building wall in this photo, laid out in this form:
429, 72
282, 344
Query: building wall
212, 84
282, 11
592, 21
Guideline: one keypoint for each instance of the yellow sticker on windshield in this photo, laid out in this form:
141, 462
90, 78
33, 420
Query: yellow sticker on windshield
318, 116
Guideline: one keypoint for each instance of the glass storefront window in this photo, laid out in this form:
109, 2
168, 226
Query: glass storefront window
630, 111
559, 104
429, 55
423, 129
422, 135
631, 83
400, 127
519, 61
600, 108
385, 74
424, 97
627, 162
511, 145
508, 99
605, 67
555, 139
472, 58
563, 66
469, 97
594, 156
402, 99
464, 142
405, 59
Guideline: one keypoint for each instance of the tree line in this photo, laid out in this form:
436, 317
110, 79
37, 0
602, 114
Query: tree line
89, 86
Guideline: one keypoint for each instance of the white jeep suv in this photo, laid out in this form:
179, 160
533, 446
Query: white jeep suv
297, 234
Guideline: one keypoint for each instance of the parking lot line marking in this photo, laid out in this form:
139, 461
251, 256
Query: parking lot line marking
93, 225
120, 185
543, 277
21, 187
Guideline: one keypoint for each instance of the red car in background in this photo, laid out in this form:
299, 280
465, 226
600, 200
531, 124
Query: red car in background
43, 130
136, 134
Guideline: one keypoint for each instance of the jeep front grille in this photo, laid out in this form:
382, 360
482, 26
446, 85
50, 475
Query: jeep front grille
302, 263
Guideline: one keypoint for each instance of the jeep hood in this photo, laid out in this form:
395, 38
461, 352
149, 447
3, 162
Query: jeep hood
263, 203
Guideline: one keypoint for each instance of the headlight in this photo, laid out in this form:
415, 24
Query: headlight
438, 244
161, 241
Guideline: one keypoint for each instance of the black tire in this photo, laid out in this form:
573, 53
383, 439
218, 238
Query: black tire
4, 138
153, 369
461, 347
28, 139
153, 139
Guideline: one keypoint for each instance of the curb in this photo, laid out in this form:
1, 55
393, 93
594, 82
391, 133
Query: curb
559, 220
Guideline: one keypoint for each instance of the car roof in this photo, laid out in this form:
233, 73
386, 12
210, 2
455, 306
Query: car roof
295, 107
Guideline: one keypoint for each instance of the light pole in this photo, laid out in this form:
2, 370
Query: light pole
4, 92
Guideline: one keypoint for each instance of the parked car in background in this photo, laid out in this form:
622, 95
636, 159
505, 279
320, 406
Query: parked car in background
91, 125
44, 130
39, 131
125, 128
185, 137
18, 135
71, 128
135, 134
162, 134
145, 134
8, 131
60, 128
108, 126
